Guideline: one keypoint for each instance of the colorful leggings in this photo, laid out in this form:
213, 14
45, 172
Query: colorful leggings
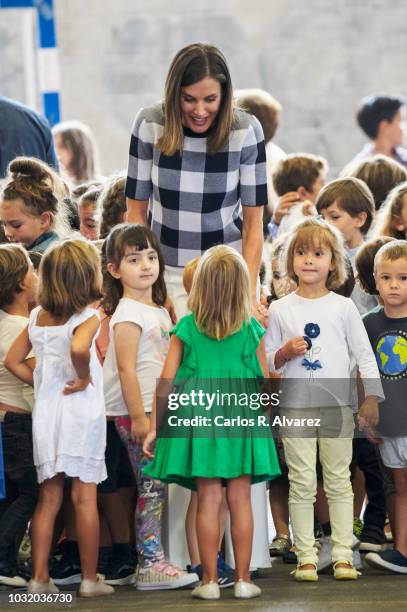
150, 500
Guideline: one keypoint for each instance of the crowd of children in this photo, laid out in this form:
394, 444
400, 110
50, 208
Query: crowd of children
91, 355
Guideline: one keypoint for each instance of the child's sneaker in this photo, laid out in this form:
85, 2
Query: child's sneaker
98, 588
163, 575
207, 591
280, 545
120, 570
34, 586
391, 560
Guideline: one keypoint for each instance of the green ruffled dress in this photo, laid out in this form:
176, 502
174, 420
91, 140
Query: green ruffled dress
216, 451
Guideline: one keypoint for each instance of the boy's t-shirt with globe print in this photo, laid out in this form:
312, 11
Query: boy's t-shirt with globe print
388, 338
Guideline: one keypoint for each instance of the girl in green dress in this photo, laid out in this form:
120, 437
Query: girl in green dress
214, 432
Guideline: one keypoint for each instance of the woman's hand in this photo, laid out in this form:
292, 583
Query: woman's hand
78, 384
149, 443
140, 427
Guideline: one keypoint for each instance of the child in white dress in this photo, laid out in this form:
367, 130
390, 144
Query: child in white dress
69, 424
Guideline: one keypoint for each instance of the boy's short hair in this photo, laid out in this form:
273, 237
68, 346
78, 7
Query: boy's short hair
14, 266
298, 170
263, 106
374, 109
380, 173
352, 195
364, 262
396, 249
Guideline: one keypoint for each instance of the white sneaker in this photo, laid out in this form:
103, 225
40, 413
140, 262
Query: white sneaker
91, 588
210, 590
163, 575
13, 581
246, 590
34, 586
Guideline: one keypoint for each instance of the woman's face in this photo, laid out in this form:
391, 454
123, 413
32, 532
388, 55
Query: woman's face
200, 104
64, 153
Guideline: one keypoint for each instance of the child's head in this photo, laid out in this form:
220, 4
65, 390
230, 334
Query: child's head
348, 204
196, 65
390, 271
324, 244
70, 278
280, 285
220, 293
382, 117
29, 202
300, 172
76, 150
263, 106
17, 275
392, 217
380, 173
364, 263
124, 248
112, 204
188, 274
88, 208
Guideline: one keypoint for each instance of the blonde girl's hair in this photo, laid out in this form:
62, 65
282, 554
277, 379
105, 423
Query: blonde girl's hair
380, 173
14, 266
190, 65
220, 293
390, 214
40, 189
316, 233
112, 204
188, 274
70, 278
79, 139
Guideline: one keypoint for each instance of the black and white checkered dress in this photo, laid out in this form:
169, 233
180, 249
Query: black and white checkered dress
196, 198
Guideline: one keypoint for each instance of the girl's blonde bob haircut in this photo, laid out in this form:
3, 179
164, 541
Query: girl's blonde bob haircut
190, 65
316, 233
220, 293
388, 220
70, 278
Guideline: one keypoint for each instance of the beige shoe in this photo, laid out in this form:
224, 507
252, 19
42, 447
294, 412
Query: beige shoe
91, 588
345, 573
246, 590
210, 590
34, 586
306, 575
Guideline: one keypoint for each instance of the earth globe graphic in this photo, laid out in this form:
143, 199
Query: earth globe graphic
391, 355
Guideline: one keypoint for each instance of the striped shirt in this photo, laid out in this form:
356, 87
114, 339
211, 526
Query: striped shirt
195, 199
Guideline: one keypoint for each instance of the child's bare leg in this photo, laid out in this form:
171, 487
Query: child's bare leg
239, 501
279, 505
400, 481
87, 526
190, 529
223, 517
42, 528
207, 525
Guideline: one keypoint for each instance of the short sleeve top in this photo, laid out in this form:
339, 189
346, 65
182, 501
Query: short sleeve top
196, 198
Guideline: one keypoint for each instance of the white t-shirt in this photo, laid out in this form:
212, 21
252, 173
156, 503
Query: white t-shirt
155, 324
336, 331
12, 390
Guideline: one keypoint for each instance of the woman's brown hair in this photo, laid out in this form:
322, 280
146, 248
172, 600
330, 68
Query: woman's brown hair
70, 275
78, 138
190, 65
138, 237
14, 266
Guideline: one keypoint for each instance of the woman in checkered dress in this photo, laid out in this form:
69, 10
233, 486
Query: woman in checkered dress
197, 168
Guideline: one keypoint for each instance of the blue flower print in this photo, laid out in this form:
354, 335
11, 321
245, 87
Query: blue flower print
309, 342
312, 330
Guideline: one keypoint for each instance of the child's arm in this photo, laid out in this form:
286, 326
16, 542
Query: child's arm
126, 340
261, 356
278, 353
80, 354
164, 387
16, 359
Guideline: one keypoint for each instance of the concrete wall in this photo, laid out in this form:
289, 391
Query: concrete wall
318, 57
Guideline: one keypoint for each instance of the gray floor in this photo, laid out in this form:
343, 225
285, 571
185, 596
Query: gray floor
375, 590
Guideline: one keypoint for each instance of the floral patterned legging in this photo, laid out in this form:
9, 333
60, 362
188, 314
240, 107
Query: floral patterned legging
150, 501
